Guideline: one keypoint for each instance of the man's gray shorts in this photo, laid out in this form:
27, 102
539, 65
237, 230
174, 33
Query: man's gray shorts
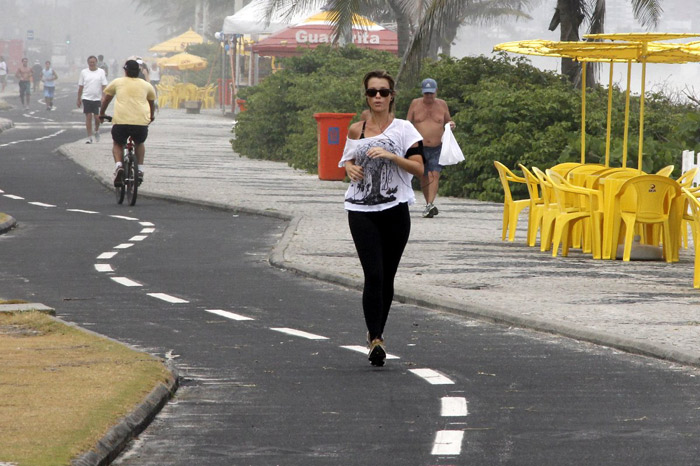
432, 159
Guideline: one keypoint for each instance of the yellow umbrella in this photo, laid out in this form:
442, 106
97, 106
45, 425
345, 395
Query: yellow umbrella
183, 61
178, 43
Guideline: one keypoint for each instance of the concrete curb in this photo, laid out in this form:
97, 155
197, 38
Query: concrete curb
7, 223
5, 124
117, 439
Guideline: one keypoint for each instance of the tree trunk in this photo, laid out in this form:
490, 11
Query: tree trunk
568, 17
403, 27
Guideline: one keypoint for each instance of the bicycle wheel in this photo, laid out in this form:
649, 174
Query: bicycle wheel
120, 191
131, 182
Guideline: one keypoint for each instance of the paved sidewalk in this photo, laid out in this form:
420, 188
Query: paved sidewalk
454, 262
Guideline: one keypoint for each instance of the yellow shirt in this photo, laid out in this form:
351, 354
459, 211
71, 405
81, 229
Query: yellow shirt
131, 96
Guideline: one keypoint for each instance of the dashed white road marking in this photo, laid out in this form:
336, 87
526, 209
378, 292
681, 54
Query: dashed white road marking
125, 281
228, 315
146, 231
432, 377
448, 443
298, 333
168, 298
122, 217
453, 406
12, 196
41, 204
363, 350
147, 224
123, 246
32, 140
82, 211
104, 268
107, 255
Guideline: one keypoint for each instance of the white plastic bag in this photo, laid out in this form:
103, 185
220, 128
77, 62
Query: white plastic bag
450, 154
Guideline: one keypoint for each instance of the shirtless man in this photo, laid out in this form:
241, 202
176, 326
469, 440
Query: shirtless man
24, 78
429, 115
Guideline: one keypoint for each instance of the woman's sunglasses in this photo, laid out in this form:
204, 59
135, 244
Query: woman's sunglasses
373, 92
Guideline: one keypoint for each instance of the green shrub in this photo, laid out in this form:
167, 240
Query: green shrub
505, 110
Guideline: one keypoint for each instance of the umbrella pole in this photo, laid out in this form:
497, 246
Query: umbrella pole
607, 140
583, 112
641, 117
627, 114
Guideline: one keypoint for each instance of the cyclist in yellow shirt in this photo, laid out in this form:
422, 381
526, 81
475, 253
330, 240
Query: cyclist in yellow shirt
133, 111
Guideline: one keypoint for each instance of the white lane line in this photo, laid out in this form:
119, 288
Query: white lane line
125, 281
432, 377
448, 443
453, 406
12, 196
82, 211
138, 238
123, 246
298, 333
32, 140
146, 231
123, 217
41, 204
104, 268
228, 315
147, 224
107, 255
168, 298
363, 350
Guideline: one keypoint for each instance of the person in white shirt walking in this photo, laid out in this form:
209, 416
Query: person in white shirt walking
3, 74
91, 84
49, 77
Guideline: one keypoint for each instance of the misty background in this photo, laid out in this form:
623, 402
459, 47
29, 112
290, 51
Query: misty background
117, 30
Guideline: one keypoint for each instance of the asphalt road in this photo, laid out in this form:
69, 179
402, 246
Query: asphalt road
194, 286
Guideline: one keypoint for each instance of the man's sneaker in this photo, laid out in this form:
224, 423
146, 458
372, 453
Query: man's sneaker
139, 177
429, 211
433, 210
89, 141
97, 136
119, 177
377, 352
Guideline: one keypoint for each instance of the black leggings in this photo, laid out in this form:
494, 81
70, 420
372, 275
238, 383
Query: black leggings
380, 238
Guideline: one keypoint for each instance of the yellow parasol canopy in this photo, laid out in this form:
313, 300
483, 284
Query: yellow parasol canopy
183, 61
637, 47
178, 43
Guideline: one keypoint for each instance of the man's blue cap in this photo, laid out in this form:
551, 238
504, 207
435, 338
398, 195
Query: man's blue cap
429, 86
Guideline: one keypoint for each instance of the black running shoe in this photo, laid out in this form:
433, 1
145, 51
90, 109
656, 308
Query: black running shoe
377, 352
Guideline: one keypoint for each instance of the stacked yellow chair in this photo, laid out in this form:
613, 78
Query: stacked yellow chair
576, 206
511, 208
694, 205
537, 206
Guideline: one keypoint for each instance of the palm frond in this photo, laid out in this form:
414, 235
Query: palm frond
647, 12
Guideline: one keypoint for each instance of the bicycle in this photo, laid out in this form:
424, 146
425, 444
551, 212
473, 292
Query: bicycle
131, 182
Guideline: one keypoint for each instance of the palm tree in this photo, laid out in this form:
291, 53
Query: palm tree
175, 16
570, 14
423, 26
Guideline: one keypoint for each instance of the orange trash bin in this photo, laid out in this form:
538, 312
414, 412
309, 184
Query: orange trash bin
332, 133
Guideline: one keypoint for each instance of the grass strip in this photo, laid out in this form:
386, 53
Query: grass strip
62, 389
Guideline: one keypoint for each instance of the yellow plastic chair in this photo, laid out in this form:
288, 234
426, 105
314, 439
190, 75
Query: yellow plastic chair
537, 207
511, 208
589, 209
694, 205
165, 95
577, 175
207, 95
688, 219
666, 171
686, 179
648, 199
564, 167
551, 209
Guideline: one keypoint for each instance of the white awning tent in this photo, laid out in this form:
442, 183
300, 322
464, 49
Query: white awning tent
251, 20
